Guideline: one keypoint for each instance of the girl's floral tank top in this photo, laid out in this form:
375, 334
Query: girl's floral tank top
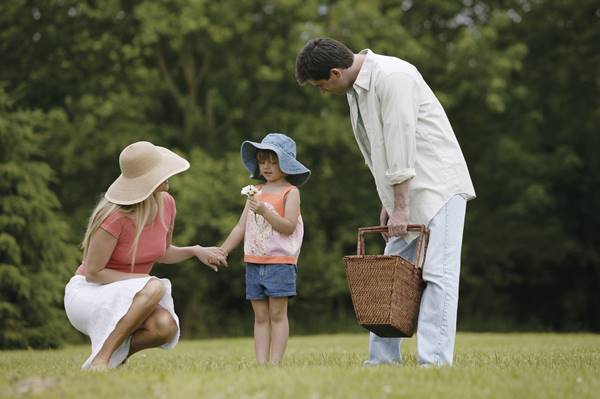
262, 243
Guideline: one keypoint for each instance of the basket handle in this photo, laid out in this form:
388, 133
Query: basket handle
421, 246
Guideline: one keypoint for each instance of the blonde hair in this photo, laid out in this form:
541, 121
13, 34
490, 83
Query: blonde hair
141, 213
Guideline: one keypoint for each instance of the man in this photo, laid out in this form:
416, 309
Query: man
420, 174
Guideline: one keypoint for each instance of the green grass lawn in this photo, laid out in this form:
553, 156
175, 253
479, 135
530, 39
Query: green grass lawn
324, 366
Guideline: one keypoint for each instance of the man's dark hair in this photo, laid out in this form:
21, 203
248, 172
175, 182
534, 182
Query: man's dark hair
319, 56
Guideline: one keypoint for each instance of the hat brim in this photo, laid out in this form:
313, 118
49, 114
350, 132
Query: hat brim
296, 172
128, 191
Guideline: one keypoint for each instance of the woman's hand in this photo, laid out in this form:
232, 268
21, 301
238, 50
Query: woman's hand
212, 257
256, 206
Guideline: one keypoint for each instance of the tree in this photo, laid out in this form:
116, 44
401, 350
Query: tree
517, 78
35, 260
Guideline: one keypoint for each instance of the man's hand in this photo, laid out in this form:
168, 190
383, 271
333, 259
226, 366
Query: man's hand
398, 222
383, 220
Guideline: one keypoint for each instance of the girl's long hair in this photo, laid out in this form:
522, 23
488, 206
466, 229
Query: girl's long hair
140, 213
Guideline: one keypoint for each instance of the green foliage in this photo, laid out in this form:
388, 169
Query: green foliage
34, 256
530, 234
518, 80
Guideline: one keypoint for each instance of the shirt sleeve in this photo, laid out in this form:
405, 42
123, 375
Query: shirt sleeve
399, 107
113, 224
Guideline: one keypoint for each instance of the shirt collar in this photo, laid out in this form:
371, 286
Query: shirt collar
363, 79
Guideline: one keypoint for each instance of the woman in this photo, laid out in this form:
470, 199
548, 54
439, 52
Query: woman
112, 298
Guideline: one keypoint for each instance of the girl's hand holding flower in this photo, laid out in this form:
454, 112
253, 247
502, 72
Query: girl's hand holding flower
256, 206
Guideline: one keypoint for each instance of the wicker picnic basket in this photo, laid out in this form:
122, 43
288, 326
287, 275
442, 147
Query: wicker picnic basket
386, 289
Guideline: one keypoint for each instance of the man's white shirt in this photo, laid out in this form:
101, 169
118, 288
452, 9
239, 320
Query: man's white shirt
403, 133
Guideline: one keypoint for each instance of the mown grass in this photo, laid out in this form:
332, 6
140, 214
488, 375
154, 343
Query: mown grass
324, 366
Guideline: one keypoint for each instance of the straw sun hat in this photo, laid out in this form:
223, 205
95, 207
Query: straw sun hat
144, 166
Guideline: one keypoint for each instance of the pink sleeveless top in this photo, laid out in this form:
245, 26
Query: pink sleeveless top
151, 246
265, 245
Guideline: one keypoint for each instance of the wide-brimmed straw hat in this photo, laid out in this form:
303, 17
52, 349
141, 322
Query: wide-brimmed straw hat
144, 167
285, 148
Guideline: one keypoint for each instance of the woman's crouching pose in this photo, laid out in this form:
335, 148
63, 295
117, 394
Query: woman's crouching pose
112, 298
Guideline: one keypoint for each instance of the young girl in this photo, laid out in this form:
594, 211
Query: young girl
272, 230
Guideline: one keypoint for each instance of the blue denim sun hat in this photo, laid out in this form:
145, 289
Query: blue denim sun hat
285, 148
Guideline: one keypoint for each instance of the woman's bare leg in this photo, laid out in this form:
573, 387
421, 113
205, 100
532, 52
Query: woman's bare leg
262, 338
157, 329
144, 303
280, 328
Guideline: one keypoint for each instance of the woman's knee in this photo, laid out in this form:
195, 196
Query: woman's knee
153, 291
164, 325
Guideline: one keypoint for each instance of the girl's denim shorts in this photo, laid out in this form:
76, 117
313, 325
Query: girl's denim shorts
276, 280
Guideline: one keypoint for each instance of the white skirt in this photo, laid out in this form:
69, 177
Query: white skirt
95, 309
